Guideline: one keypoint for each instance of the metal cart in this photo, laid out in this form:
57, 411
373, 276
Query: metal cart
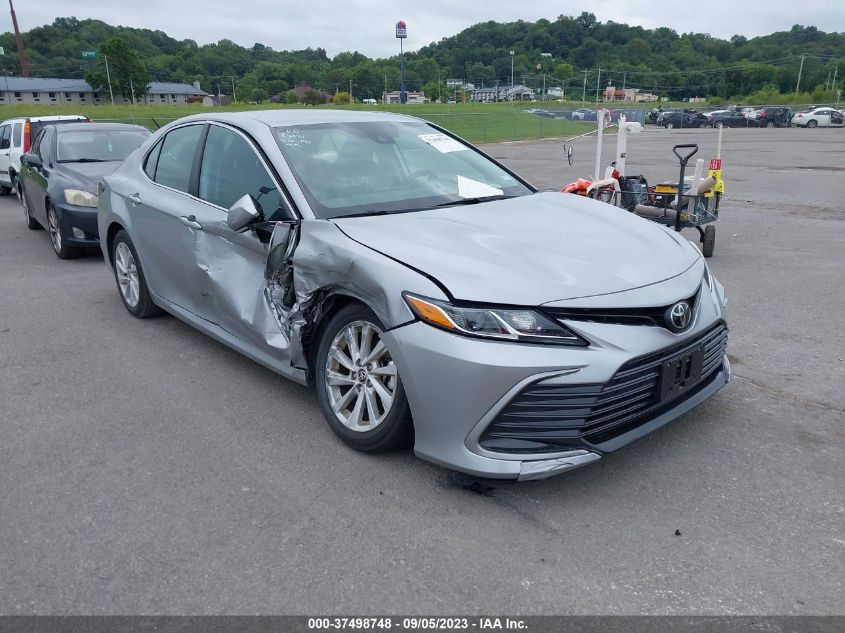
680, 207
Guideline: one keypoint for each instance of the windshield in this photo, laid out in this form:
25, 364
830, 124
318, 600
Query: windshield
97, 145
389, 167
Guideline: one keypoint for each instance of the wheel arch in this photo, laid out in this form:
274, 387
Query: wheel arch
111, 233
329, 303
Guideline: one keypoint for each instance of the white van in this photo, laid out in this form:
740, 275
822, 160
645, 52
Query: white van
16, 136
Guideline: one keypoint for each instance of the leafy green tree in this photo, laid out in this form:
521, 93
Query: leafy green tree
432, 89
129, 74
342, 98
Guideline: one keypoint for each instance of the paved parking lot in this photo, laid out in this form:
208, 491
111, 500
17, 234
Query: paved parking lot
145, 468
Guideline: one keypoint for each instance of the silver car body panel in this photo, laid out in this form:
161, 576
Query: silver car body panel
535, 250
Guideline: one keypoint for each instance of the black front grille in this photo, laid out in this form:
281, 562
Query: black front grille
622, 316
544, 418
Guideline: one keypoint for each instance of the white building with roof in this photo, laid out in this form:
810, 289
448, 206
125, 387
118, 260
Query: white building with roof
45, 90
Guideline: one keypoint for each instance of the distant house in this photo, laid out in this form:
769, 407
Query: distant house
45, 90
216, 100
410, 97
303, 89
503, 93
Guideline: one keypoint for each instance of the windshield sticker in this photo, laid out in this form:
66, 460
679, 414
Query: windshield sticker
292, 137
442, 143
469, 188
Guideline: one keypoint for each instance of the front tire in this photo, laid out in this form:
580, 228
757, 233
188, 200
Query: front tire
358, 384
60, 247
718, 124
130, 279
812, 123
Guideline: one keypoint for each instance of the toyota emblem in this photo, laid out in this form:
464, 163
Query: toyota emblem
679, 316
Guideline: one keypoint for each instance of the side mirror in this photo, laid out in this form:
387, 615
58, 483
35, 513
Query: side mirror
244, 212
32, 160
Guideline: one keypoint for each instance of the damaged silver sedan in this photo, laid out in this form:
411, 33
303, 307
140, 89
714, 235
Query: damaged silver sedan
429, 294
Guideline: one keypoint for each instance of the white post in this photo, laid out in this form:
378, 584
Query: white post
597, 175
132, 88
621, 145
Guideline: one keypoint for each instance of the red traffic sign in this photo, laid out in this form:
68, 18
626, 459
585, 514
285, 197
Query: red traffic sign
715, 164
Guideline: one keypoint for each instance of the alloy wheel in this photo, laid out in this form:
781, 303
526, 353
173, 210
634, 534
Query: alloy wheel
361, 377
127, 274
53, 227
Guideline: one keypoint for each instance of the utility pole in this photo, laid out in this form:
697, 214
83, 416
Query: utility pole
108, 77
624, 83
584, 96
350, 91
19, 42
827, 81
800, 70
132, 88
234, 97
544, 86
598, 85
833, 83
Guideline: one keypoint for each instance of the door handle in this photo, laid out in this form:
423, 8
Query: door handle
191, 221
135, 198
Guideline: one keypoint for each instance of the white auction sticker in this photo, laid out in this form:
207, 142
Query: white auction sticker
442, 143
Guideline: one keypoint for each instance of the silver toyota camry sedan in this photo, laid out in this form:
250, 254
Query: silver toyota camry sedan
429, 294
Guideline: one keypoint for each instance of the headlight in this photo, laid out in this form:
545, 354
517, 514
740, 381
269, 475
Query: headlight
522, 325
80, 198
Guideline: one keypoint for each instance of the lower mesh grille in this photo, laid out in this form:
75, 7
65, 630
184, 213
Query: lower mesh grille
544, 418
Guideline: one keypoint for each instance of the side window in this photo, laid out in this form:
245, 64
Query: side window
176, 157
43, 150
231, 168
36, 144
4, 136
17, 129
152, 161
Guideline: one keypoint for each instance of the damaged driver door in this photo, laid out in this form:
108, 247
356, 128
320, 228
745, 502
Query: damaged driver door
234, 293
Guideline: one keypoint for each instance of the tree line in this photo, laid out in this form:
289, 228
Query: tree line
580, 54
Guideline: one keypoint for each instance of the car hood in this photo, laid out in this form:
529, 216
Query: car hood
86, 175
529, 250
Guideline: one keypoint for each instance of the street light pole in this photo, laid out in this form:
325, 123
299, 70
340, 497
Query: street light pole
511, 71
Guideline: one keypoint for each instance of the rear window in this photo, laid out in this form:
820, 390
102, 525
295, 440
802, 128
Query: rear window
98, 145
36, 126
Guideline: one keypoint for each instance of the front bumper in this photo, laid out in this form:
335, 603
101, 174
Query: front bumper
82, 219
457, 386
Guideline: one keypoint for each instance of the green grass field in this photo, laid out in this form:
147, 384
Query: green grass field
475, 122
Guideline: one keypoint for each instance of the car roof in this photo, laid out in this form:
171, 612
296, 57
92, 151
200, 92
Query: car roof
289, 116
104, 127
52, 117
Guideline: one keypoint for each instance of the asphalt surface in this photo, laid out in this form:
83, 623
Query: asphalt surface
147, 469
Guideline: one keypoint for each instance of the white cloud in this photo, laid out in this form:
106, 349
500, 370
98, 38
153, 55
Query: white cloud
367, 25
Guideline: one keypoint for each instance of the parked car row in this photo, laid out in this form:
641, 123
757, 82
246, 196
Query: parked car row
429, 294
772, 116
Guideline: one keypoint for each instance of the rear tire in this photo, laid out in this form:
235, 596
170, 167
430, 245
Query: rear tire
812, 123
5, 191
31, 223
358, 384
770, 124
718, 124
131, 283
708, 241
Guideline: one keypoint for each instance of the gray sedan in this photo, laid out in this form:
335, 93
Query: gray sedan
430, 295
